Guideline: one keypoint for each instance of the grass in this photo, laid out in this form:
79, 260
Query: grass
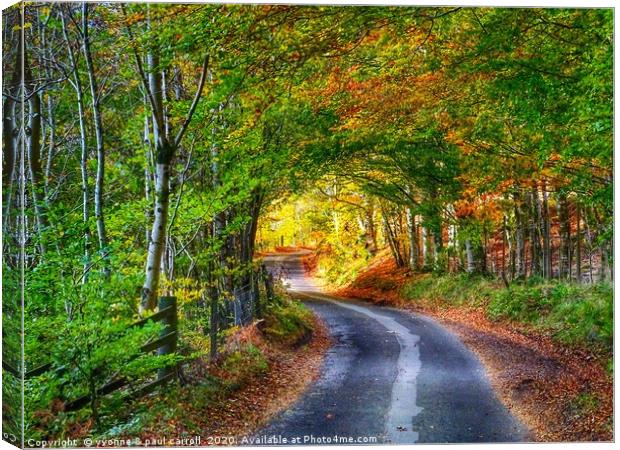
576, 314
288, 322
455, 290
573, 313
242, 365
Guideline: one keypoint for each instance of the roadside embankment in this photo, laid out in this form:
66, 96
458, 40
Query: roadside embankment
262, 369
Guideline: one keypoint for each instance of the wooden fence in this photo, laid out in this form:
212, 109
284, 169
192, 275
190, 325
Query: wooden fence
165, 344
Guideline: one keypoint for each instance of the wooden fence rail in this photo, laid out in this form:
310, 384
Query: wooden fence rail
165, 344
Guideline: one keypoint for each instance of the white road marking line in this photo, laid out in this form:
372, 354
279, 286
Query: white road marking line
403, 407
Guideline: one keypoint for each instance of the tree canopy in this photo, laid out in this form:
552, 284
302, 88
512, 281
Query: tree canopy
161, 139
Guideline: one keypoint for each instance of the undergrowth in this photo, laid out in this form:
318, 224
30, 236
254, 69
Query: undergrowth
572, 313
338, 264
288, 322
243, 361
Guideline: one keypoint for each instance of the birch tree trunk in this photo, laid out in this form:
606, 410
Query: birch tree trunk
474, 252
33, 144
413, 239
158, 233
10, 134
469, 255
79, 93
45, 57
425, 261
100, 175
164, 156
165, 149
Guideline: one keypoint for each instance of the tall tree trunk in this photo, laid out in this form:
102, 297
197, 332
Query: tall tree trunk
220, 219
590, 240
425, 247
46, 55
77, 85
10, 132
470, 257
248, 238
149, 165
33, 135
535, 233
164, 154
578, 244
474, 251
51, 146
546, 233
413, 239
100, 175
519, 237
605, 247
564, 217
165, 149
391, 239
503, 257
158, 231
371, 228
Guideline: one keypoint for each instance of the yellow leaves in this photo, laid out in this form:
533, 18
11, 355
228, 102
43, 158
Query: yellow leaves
27, 26
134, 18
186, 290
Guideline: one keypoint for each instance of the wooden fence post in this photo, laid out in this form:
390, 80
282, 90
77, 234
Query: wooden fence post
170, 322
268, 278
256, 293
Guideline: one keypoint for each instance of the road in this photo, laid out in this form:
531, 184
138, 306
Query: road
390, 375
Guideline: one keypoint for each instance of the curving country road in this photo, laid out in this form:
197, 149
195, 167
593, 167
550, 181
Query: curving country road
390, 375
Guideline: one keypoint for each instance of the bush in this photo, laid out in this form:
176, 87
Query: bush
574, 313
457, 290
289, 323
340, 265
244, 364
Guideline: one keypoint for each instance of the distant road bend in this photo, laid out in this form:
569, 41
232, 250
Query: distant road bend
390, 377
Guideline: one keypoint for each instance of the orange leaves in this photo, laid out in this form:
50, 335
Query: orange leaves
388, 99
484, 207
134, 18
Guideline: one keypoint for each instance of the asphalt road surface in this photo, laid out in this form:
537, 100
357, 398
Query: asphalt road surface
390, 377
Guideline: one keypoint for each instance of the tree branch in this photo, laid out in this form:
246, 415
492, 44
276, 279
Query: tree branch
192, 108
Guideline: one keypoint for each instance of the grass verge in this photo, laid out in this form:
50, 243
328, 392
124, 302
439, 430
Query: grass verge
579, 315
261, 369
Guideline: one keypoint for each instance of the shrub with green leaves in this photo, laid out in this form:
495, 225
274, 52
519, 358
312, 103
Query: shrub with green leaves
574, 313
93, 345
581, 314
289, 322
244, 364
